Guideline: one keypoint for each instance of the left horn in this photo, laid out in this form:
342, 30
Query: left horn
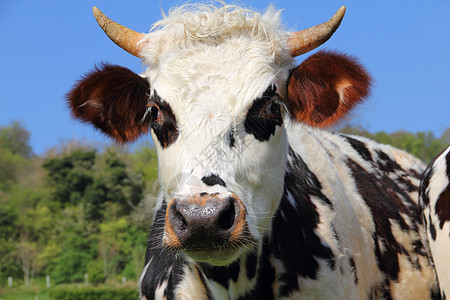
124, 37
308, 39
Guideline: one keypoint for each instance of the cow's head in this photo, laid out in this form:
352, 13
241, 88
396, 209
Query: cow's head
219, 90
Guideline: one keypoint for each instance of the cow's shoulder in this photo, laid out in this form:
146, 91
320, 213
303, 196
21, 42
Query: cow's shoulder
373, 220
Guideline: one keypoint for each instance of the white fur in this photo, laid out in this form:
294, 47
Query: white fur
210, 74
191, 286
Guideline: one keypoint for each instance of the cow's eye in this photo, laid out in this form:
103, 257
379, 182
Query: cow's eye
154, 112
271, 110
264, 116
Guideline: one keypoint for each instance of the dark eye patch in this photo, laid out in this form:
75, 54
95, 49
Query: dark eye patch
164, 127
255, 122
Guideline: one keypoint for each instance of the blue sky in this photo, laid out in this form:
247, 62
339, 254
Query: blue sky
46, 45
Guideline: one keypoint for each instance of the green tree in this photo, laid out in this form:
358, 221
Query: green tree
15, 153
16, 139
70, 175
445, 138
96, 194
76, 252
145, 161
8, 237
123, 186
28, 222
11, 165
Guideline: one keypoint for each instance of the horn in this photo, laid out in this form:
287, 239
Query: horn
124, 37
306, 40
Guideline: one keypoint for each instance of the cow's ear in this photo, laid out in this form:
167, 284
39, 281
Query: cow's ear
113, 99
325, 87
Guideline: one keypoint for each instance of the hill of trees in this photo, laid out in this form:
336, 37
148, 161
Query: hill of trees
79, 210
73, 211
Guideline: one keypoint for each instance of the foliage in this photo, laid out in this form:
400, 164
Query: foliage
14, 153
71, 212
16, 139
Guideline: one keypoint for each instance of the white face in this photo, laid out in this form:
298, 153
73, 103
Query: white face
210, 92
217, 79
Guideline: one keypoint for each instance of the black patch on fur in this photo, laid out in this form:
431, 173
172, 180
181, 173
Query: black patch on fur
442, 207
212, 180
386, 164
234, 270
360, 147
423, 195
202, 278
166, 130
419, 248
387, 201
386, 290
262, 128
432, 230
304, 180
407, 184
164, 265
231, 138
351, 261
264, 287
293, 235
415, 174
221, 274
251, 265
435, 294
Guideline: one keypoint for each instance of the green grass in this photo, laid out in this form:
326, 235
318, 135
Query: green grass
23, 294
70, 291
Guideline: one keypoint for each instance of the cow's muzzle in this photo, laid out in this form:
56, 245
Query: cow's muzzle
206, 225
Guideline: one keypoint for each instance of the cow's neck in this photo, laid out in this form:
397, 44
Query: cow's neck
256, 274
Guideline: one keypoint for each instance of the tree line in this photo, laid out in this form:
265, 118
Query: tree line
73, 211
79, 209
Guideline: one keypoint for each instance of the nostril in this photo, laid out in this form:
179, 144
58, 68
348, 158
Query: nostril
184, 224
178, 220
226, 219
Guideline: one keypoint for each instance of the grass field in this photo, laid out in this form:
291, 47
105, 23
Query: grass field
23, 294
40, 292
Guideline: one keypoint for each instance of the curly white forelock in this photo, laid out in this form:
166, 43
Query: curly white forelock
193, 24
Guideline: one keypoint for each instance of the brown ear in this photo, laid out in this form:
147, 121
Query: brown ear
113, 99
325, 87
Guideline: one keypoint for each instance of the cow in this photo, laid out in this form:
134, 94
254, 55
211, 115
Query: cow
259, 199
435, 205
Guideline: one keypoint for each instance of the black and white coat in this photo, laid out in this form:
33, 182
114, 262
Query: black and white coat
435, 203
348, 227
258, 200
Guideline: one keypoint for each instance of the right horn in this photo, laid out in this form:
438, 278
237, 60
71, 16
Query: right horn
306, 40
124, 37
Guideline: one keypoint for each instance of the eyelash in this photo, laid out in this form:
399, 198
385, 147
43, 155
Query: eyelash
154, 112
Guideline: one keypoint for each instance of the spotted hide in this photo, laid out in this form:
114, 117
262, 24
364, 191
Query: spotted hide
258, 200
347, 227
435, 203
